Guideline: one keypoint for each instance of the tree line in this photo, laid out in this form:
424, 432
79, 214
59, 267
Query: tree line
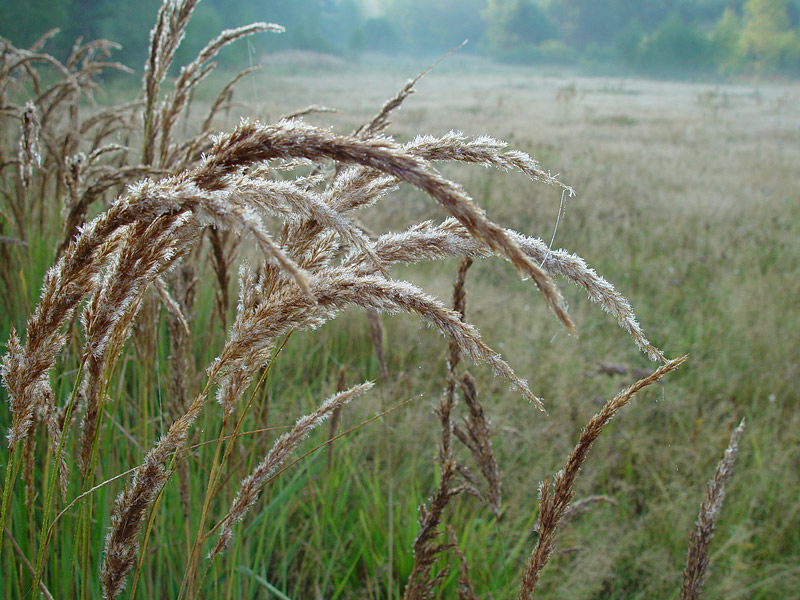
661, 37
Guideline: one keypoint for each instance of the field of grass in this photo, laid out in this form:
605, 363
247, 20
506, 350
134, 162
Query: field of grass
687, 200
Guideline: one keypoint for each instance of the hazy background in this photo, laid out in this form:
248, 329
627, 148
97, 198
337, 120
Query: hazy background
664, 38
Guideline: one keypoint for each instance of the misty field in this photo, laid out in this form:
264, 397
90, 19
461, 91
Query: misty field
687, 200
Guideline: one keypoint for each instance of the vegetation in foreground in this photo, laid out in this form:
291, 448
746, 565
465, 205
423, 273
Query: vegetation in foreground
307, 536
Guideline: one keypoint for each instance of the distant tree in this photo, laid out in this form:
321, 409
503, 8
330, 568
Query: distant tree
204, 26
676, 48
84, 19
342, 25
590, 21
651, 13
23, 21
380, 35
793, 10
705, 12
725, 41
585, 22
629, 43
767, 44
427, 26
303, 20
128, 24
510, 23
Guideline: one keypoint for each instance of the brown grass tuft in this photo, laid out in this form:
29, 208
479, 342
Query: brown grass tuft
699, 541
252, 485
554, 502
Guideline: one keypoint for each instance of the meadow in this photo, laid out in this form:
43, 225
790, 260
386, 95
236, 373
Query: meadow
686, 200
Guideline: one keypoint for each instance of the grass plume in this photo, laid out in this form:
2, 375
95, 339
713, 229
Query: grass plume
554, 502
700, 539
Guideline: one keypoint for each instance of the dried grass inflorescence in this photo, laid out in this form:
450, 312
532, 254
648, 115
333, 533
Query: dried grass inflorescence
147, 247
700, 539
252, 484
554, 503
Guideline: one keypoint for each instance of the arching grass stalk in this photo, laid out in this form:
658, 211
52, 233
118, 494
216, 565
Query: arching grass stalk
24, 560
8, 483
124, 474
84, 527
216, 465
44, 537
303, 456
259, 384
149, 526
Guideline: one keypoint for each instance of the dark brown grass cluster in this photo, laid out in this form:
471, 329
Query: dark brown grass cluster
145, 248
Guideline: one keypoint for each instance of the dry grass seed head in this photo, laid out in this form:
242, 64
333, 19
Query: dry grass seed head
426, 241
193, 73
554, 501
29, 153
109, 313
697, 555
476, 437
252, 142
216, 193
251, 486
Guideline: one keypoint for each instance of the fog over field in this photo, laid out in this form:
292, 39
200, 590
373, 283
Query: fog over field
697, 39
